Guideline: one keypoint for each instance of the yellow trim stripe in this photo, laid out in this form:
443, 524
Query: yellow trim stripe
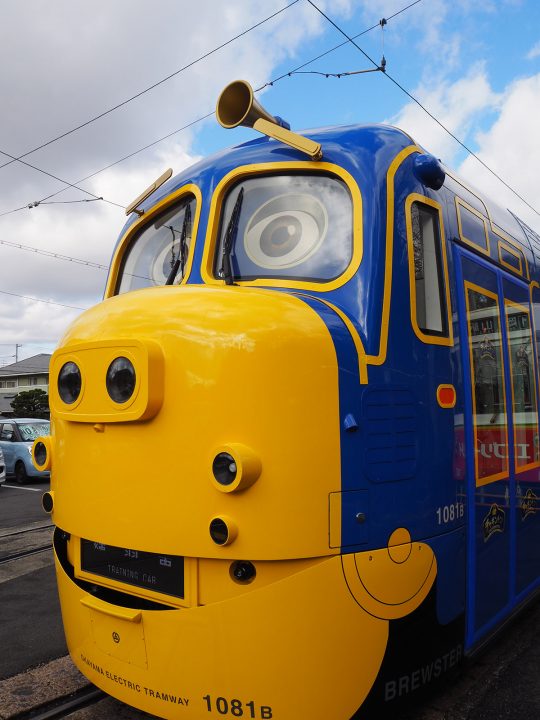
496, 231
469, 241
515, 253
246, 171
504, 473
146, 219
380, 358
357, 340
520, 308
447, 340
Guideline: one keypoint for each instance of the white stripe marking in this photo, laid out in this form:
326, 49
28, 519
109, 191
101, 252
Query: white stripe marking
19, 487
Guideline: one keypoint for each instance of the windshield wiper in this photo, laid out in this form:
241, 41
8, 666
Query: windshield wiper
230, 237
180, 262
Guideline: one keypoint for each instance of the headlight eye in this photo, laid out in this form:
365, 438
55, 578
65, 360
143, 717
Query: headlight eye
40, 453
121, 379
224, 468
69, 383
223, 530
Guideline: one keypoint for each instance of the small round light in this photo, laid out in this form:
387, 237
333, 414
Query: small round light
121, 380
224, 468
47, 502
40, 453
219, 532
243, 571
69, 383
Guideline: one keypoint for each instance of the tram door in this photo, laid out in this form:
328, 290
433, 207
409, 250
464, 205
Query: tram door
501, 437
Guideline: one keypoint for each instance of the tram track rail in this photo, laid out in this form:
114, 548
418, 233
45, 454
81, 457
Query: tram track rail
25, 531
63, 707
25, 553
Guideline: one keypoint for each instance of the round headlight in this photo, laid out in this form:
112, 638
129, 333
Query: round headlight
121, 379
224, 468
40, 453
243, 571
219, 532
223, 530
69, 383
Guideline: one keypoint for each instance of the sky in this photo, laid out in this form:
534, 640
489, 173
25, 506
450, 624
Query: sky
474, 66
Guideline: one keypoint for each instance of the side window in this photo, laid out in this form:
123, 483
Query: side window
428, 272
159, 252
521, 356
7, 432
536, 321
296, 227
510, 257
472, 227
489, 407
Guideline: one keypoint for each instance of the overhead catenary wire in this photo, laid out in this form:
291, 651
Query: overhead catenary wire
150, 87
60, 256
116, 107
270, 83
51, 254
431, 115
48, 302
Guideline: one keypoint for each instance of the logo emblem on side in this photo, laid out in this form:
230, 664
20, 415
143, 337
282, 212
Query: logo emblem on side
116, 637
528, 504
493, 522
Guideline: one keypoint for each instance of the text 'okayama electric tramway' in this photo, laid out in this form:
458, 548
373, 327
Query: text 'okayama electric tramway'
294, 458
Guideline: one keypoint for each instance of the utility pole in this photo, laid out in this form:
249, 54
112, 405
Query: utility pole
17, 352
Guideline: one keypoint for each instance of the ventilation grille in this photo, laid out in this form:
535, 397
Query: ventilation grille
390, 434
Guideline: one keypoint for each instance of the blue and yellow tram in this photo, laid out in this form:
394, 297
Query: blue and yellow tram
295, 453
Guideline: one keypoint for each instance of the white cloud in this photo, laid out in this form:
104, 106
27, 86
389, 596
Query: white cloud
534, 52
511, 147
457, 105
79, 60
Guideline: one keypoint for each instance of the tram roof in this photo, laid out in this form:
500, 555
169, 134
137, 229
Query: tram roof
364, 150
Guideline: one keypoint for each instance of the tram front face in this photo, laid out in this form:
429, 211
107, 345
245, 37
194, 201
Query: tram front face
195, 450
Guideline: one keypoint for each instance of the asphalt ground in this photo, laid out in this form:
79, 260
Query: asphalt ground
500, 683
31, 627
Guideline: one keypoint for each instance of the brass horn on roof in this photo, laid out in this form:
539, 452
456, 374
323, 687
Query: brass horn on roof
237, 106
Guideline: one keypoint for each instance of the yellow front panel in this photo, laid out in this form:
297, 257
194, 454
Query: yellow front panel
235, 372
120, 639
93, 359
325, 649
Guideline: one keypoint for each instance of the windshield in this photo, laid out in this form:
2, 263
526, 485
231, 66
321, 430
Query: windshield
289, 226
158, 249
31, 431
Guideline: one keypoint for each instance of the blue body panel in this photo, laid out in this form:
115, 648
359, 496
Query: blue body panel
404, 458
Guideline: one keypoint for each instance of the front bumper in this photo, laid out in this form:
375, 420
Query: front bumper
301, 647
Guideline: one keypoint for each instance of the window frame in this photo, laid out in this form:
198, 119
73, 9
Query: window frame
444, 337
505, 472
163, 206
508, 304
460, 203
245, 172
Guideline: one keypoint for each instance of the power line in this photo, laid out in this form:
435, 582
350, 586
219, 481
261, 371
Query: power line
116, 107
336, 47
57, 256
351, 40
55, 177
211, 113
151, 87
48, 302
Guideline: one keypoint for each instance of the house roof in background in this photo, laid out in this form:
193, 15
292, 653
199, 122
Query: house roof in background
5, 404
29, 366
